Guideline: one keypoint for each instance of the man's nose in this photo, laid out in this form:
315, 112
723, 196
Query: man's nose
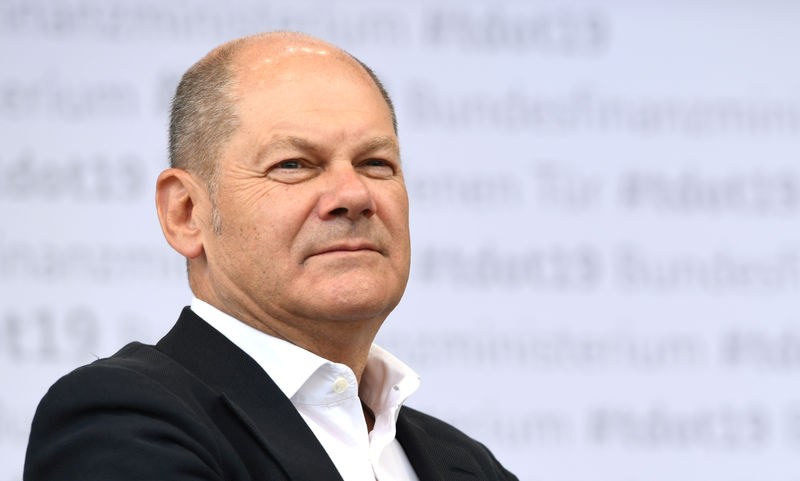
346, 195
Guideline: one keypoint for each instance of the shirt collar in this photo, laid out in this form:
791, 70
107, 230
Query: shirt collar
385, 384
288, 365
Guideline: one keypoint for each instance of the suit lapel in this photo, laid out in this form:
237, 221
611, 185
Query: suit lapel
432, 459
250, 393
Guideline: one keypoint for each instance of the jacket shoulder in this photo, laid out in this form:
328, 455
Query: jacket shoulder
446, 442
121, 404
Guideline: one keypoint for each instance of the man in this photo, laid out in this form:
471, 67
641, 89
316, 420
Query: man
286, 196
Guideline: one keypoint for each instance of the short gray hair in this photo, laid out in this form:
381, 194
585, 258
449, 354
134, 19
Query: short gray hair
204, 115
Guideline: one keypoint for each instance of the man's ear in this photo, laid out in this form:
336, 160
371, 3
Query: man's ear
182, 202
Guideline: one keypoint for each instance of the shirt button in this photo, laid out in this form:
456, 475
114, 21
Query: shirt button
340, 385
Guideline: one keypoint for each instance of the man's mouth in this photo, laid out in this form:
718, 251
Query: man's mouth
354, 246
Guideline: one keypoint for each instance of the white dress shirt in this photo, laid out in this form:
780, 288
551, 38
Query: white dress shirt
326, 395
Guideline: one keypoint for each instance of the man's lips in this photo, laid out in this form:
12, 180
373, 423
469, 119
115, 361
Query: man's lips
344, 247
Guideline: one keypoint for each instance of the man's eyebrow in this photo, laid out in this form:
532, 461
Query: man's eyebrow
301, 143
377, 143
283, 142
288, 141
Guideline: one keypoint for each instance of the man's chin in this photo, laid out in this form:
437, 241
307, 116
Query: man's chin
350, 292
354, 303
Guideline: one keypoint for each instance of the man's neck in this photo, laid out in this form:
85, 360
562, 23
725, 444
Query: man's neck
342, 341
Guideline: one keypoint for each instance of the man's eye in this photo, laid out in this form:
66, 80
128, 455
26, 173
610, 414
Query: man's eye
292, 171
379, 166
289, 164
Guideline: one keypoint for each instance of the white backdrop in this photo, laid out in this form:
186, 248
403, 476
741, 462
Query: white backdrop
605, 200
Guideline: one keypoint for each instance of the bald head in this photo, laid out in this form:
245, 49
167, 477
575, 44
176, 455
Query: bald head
204, 110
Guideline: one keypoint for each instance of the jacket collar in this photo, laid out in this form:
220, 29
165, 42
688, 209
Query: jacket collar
250, 393
432, 458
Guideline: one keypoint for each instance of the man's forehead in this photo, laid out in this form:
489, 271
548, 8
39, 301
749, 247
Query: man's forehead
293, 77
262, 59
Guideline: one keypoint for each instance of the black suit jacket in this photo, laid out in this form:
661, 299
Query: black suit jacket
196, 407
